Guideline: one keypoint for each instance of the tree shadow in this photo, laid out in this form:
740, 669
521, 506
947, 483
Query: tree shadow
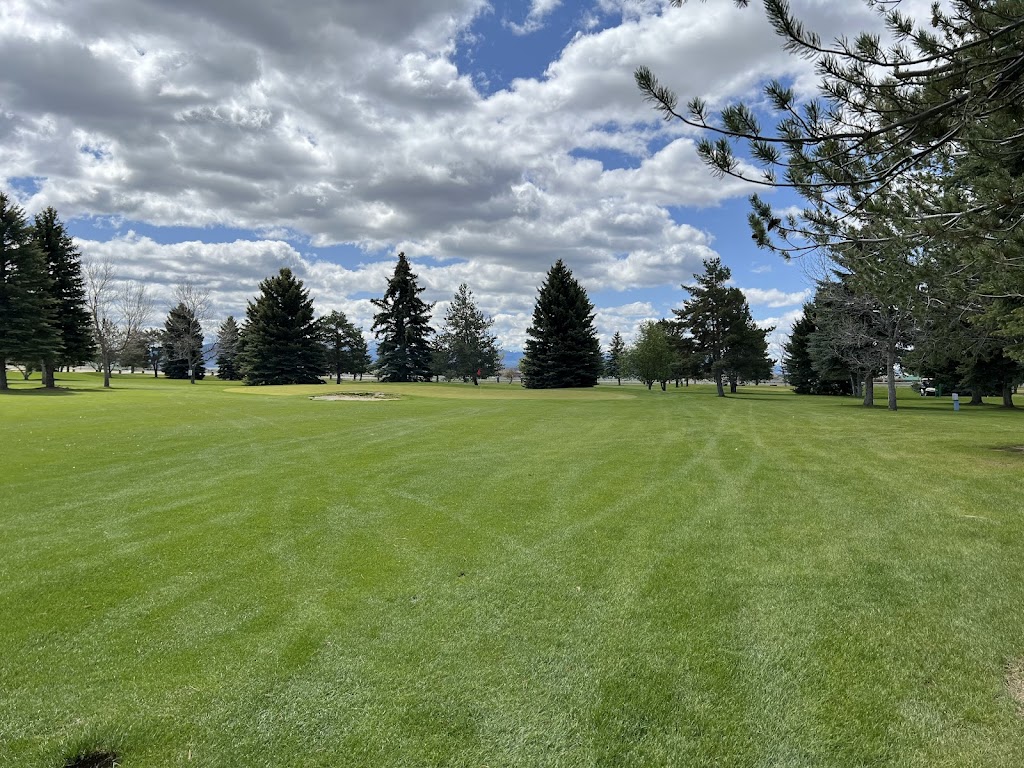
40, 392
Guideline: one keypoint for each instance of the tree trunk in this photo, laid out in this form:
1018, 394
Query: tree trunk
869, 389
1007, 395
650, 384
718, 384
338, 379
3, 375
475, 382
49, 379
192, 374
663, 388
732, 385
106, 374
890, 378
620, 382
976, 397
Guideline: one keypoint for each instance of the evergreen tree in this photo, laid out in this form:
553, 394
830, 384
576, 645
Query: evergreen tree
28, 328
563, 350
470, 350
227, 350
183, 345
652, 356
712, 315
614, 361
747, 358
360, 360
67, 287
280, 343
798, 364
402, 327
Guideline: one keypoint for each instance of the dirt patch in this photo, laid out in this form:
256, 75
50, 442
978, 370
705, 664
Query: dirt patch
376, 396
101, 759
1015, 683
1011, 448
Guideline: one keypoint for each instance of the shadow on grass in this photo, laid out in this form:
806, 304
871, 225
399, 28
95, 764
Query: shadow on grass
41, 392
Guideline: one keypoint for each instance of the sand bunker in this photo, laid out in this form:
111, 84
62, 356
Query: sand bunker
371, 396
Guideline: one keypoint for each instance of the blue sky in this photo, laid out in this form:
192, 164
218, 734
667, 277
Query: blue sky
216, 142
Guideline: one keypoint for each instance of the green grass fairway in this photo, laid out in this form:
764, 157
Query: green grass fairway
211, 576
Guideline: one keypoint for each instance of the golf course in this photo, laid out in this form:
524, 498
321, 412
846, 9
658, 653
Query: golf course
219, 575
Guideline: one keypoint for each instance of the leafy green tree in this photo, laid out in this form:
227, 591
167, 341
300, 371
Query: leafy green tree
227, 350
280, 343
28, 328
183, 345
712, 315
562, 349
615, 359
465, 340
402, 328
651, 357
67, 288
335, 334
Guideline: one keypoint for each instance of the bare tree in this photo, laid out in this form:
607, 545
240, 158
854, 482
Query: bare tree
118, 312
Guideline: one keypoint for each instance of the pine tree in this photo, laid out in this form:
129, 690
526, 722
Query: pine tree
713, 312
183, 345
402, 327
28, 328
227, 350
359, 351
280, 343
563, 350
471, 351
67, 287
615, 359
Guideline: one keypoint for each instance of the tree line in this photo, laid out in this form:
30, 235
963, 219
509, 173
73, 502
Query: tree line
55, 313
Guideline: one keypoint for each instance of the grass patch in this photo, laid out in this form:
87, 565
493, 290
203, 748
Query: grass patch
491, 575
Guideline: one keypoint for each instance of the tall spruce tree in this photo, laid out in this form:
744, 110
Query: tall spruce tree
465, 340
281, 343
614, 361
402, 328
183, 345
28, 327
67, 288
563, 349
227, 350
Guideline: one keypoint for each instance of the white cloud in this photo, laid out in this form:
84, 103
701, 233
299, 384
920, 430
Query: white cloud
774, 298
327, 122
539, 11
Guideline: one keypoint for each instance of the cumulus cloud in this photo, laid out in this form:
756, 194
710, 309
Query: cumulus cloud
324, 123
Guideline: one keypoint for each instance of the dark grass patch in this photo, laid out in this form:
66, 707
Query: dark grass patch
1010, 448
97, 759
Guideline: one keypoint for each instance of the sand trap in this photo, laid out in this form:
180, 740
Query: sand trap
367, 396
